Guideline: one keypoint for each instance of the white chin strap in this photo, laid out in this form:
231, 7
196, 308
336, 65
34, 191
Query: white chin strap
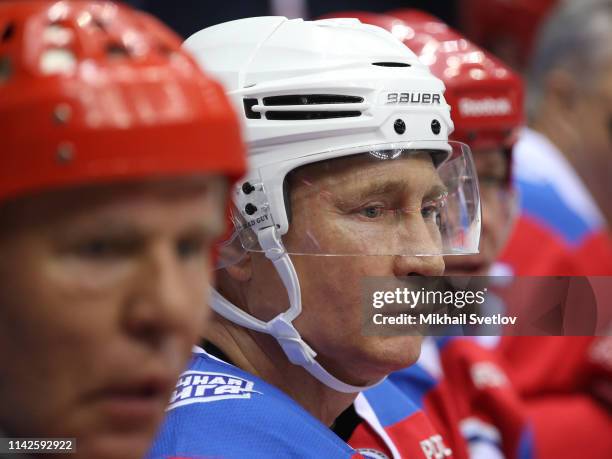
281, 327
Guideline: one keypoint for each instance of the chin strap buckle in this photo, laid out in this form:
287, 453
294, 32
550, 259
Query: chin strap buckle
298, 352
271, 243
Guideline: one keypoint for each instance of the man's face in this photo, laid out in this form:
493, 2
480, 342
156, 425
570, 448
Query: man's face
498, 208
592, 117
102, 293
576, 113
383, 207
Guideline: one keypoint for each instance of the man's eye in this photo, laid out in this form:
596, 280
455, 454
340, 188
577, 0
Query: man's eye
371, 212
432, 211
100, 248
188, 247
429, 211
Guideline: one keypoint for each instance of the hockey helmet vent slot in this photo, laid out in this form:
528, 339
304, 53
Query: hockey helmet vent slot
248, 109
392, 64
311, 99
8, 32
310, 115
99, 24
116, 50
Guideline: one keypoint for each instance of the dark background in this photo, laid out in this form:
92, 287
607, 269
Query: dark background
189, 16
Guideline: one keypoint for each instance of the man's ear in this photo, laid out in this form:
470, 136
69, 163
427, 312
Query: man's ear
563, 90
242, 270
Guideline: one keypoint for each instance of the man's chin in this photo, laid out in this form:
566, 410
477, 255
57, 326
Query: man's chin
392, 353
405, 350
371, 358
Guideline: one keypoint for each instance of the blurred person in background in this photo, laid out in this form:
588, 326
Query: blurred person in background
349, 178
459, 382
563, 161
563, 166
117, 158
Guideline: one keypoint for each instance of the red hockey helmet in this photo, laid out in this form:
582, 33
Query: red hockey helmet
485, 95
499, 24
94, 92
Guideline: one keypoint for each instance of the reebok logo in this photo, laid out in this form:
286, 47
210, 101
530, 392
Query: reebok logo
489, 106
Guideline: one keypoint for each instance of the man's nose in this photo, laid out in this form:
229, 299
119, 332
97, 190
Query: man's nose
420, 251
418, 265
162, 303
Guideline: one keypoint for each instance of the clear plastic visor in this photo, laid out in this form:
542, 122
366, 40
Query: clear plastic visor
381, 201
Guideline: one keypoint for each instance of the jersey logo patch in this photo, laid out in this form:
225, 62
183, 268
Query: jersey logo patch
205, 386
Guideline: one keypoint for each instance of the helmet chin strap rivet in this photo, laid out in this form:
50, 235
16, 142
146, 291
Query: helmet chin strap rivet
435, 127
250, 209
399, 126
247, 188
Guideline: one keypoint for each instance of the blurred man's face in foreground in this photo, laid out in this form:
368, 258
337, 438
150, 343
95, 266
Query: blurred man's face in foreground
102, 292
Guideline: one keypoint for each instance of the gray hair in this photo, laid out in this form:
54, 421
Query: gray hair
576, 37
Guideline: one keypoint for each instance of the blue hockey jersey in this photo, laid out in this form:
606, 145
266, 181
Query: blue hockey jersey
220, 411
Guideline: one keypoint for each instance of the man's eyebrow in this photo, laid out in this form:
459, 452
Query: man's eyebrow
381, 188
100, 226
437, 191
118, 228
389, 187
212, 229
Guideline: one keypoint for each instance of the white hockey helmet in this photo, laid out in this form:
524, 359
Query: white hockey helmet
312, 92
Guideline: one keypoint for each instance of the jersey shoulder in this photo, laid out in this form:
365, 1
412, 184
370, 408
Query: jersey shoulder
392, 412
218, 410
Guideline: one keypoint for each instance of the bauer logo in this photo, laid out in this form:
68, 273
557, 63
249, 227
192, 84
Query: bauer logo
485, 107
203, 386
423, 98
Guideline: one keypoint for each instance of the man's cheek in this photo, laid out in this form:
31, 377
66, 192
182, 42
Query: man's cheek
87, 276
